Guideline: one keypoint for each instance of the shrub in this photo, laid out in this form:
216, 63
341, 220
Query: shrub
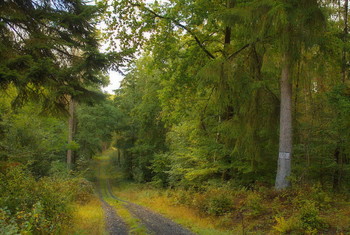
37, 206
219, 205
286, 226
309, 217
254, 204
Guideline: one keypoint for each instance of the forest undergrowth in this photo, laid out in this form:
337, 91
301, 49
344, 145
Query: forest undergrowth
54, 204
226, 210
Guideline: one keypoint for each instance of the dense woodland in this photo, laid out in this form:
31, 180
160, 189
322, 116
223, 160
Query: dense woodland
219, 96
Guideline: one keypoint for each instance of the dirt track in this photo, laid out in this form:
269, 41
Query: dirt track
154, 222
114, 223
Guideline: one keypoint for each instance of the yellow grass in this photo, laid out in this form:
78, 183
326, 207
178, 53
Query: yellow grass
186, 216
87, 219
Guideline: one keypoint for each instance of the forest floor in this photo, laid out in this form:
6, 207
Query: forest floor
123, 217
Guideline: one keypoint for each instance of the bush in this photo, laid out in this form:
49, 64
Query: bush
284, 226
219, 205
254, 204
37, 206
309, 217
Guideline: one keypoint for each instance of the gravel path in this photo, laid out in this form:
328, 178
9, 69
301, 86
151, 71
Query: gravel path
114, 223
154, 222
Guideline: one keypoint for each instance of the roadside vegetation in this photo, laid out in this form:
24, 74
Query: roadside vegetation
47, 205
227, 210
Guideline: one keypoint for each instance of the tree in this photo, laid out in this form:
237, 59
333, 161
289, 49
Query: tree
291, 25
71, 131
49, 50
95, 128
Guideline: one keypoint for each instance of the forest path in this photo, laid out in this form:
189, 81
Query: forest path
115, 225
154, 222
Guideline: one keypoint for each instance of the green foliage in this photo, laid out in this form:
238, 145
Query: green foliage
96, 125
202, 102
73, 146
309, 217
284, 226
307, 220
37, 206
254, 205
50, 50
219, 205
31, 138
160, 167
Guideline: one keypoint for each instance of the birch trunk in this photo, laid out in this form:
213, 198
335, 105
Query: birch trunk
285, 138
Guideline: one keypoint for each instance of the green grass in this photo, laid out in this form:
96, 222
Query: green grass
88, 219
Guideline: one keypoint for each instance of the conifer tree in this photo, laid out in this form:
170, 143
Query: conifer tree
293, 25
49, 49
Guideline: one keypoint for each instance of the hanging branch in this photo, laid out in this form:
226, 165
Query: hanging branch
177, 23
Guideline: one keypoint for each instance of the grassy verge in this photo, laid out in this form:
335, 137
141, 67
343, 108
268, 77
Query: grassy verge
159, 201
87, 219
304, 210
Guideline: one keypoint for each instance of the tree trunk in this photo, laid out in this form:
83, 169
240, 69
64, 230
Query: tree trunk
345, 38
70, 133
285, 140
337, 172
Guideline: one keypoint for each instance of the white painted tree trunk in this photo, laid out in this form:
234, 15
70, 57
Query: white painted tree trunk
285, 139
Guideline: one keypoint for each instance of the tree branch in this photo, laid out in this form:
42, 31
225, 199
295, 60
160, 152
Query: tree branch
176, 22
237, 52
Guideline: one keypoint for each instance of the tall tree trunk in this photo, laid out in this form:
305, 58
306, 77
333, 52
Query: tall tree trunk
337, 172
227, 40
345, 38
285, 139
70, 133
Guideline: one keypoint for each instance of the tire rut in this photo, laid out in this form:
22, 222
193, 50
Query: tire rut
114, 223
154, 222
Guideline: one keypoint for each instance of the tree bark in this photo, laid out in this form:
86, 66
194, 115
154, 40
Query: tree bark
337, 172
285, 139
345, 37
70, 133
